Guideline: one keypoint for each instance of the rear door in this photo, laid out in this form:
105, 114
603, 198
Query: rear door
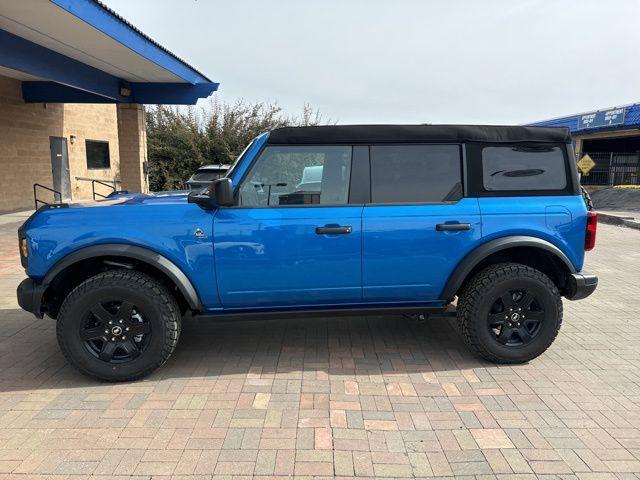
418, 225
294, 239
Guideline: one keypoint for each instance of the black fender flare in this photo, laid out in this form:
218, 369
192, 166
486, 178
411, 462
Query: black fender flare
468, 263
166, 266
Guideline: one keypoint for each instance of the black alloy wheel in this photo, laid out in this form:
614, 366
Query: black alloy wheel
119, 325
516, 318
115, 331
509, 313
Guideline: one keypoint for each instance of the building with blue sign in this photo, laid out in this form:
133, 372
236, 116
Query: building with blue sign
611, 137
74, 77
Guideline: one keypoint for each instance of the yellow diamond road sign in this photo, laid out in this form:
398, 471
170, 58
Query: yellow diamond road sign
585, 164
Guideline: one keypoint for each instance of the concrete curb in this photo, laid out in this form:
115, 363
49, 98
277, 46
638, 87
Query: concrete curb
618, 220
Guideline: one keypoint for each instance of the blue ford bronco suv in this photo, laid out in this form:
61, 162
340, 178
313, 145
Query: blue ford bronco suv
324, 220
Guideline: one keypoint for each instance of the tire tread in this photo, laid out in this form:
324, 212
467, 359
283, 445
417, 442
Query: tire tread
144, 285
473, 294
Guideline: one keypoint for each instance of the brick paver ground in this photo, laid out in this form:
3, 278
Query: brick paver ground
365, 396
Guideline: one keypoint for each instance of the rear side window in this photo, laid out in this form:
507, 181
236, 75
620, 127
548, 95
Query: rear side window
415, 173
514, 168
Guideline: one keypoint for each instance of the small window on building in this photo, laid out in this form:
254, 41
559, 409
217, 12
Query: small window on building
97, 154
512, 168
415, 173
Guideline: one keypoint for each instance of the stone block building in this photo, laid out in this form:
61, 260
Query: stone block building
74, 78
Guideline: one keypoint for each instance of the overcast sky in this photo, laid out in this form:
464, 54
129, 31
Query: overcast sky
403, 61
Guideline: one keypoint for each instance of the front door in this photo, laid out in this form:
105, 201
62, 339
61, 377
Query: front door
60, 167
293, 240
418, 225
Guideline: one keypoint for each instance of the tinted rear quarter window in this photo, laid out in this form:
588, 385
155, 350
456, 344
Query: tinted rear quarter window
515, 168
415, 173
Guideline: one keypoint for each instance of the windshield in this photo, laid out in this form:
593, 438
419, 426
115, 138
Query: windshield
237, 162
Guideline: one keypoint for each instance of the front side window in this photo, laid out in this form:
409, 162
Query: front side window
298, 175
415, 173
97, 154
512, 168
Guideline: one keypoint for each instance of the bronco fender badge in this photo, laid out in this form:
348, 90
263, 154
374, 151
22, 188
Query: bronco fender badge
198, 233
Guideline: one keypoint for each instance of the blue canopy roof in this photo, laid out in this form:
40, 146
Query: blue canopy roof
614, 118
81, 51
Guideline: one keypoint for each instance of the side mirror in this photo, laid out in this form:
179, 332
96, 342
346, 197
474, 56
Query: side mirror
223, 192
218, 194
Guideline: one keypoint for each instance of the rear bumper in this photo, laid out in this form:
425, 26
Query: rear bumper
30, 296
581, 285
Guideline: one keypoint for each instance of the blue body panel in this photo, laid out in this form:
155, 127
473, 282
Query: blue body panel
163, 224
272, 257
405, 258
560, 220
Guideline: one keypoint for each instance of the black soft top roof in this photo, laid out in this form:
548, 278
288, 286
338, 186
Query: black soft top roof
366, 134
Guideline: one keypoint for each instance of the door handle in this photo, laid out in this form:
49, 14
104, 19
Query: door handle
441, 227
333, 230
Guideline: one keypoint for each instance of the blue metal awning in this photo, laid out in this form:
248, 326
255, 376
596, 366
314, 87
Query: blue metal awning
609, 119
80, 51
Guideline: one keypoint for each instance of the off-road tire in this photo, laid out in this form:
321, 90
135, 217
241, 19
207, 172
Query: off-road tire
587, 198
160, 310
477, 298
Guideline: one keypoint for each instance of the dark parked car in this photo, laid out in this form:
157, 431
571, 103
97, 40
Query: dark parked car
325, 221
205, 175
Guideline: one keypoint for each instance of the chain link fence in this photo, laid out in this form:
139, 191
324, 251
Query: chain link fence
612, 169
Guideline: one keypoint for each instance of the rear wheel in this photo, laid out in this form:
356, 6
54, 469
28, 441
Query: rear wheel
509, 313
118, 325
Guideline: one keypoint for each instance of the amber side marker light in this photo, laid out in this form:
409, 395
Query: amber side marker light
23, 248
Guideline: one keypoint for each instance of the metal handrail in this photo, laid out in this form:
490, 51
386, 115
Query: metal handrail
55, 192
96, 194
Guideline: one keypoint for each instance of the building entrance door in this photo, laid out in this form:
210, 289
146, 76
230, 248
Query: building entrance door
60, 167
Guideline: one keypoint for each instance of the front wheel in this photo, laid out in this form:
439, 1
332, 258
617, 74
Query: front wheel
118, 325
509, 313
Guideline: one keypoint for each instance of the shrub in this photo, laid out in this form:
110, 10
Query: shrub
179, 139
